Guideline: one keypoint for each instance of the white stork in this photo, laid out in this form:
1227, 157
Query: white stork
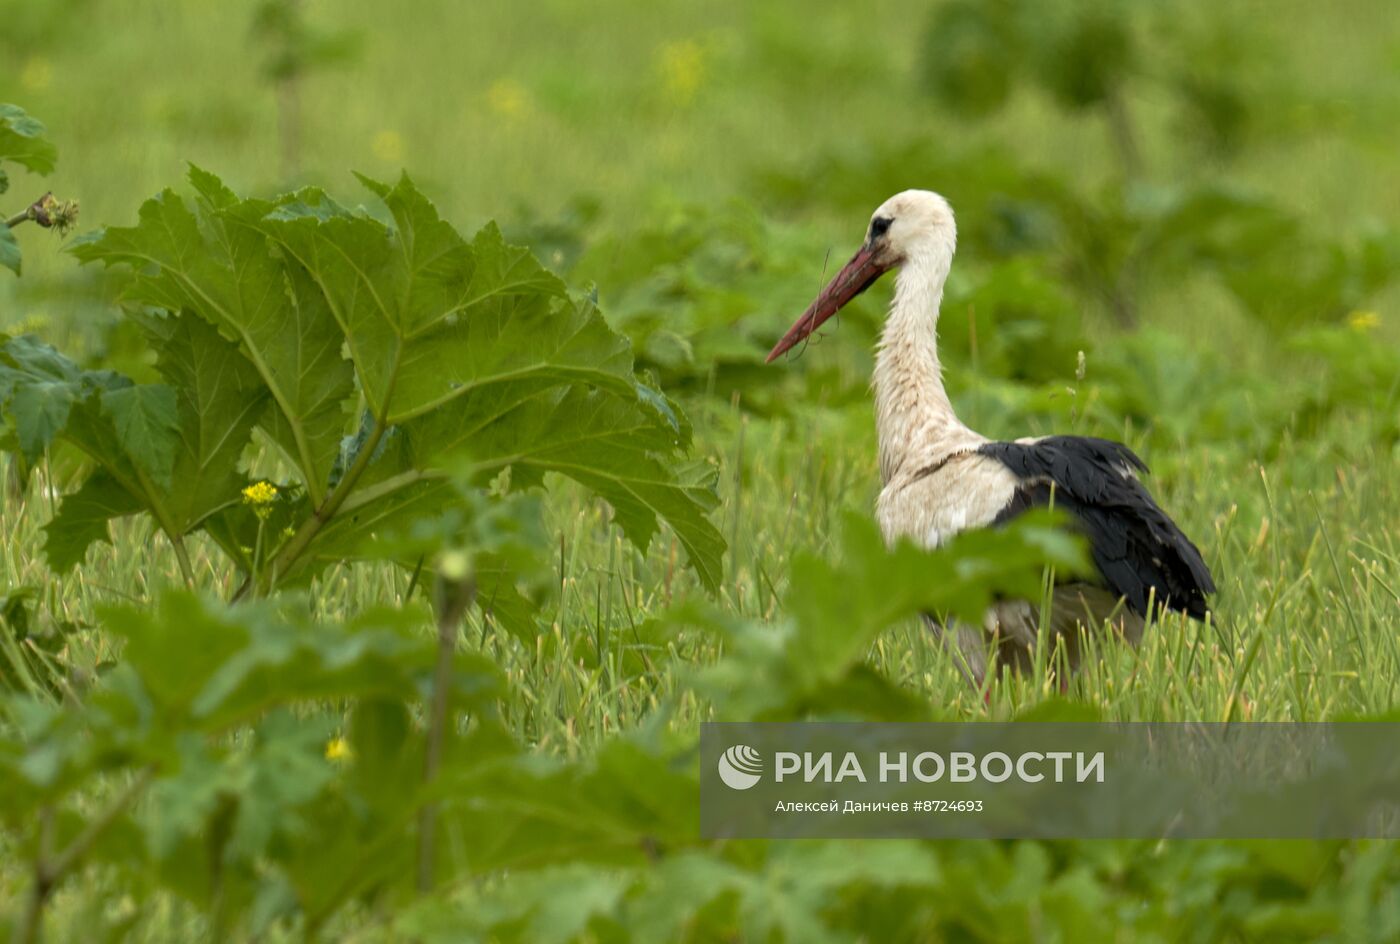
940, 477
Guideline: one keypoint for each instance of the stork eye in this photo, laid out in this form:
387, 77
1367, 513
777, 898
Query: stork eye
879, 226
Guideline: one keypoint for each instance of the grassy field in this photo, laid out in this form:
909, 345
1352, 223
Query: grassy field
1274, 447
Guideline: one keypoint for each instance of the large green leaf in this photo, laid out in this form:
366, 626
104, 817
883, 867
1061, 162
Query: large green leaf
476, 348
318, 381
83, 518
146, 421
458, 347
22, 141
46, 395
219, 398
528, 811
9, 249
38, 387
616, 447
219, 266
429, 318
40, 409
174, 447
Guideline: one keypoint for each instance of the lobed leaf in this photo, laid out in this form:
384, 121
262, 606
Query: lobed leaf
22, 142
614, 446
10, 256
146, 421
218, 265
429, 318
82, 519
219, 399
456, 347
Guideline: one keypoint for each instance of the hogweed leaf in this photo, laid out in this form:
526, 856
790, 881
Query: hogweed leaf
83, 518
147, 423
219, 399
430, 318
218, 265
22, 141
457, 345
10, 256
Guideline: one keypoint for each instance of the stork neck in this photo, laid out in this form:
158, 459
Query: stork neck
914, 418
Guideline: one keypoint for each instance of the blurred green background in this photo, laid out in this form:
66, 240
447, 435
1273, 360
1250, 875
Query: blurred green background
498, 106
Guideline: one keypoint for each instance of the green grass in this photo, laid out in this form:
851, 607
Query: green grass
1305, 625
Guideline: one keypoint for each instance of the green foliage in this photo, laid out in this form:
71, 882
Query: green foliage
22, 142
259, 810
1088, 56
1359, 375
1114, 246
701, 291
225, 808
274, 315
969, 56
294, 46
32, 646
813, 662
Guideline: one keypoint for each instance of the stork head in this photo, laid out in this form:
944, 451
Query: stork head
915, 226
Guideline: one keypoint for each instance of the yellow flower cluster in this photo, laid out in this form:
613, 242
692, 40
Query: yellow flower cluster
338, 749
682, 68
1363, 321
260, 495
508, 98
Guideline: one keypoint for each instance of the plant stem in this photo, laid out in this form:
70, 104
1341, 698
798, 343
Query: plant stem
1122, 293
182, 557
30, 920
293, 549
1120, 126
46, 212
49, 871
167, 524
454, 598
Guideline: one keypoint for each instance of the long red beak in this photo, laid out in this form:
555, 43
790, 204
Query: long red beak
855, 277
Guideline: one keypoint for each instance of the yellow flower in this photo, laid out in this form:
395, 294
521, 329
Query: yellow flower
388, 146
682, 68
338, 749
508, 98
1363, 321
260, 495
36, 75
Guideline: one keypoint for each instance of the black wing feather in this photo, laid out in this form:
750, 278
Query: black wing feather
1139, 551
